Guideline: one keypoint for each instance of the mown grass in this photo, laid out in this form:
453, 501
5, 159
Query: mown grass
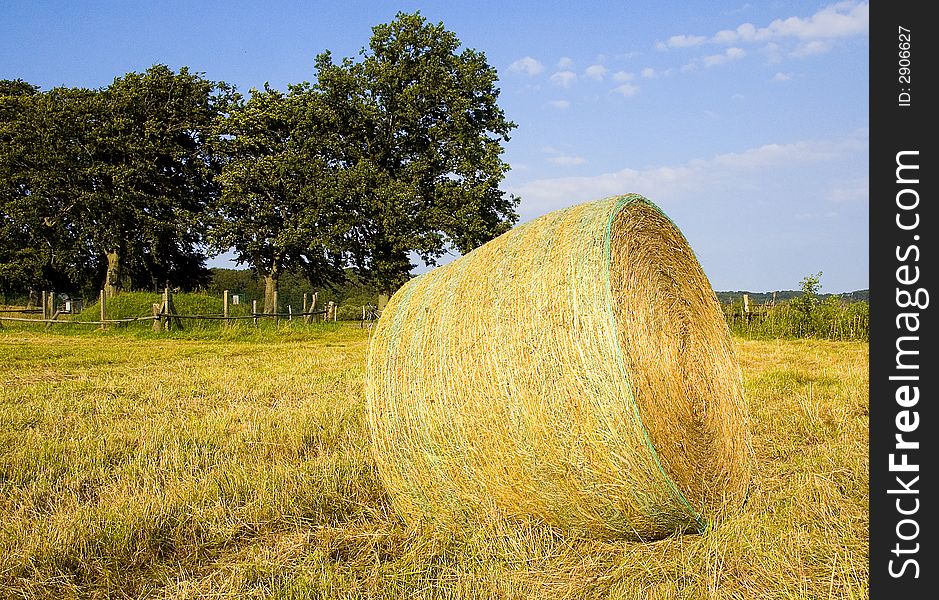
153, 466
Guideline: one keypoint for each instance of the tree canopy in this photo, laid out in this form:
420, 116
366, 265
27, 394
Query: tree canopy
42, 177
417, 126
277, 209
153, 175
392, 155
111, 182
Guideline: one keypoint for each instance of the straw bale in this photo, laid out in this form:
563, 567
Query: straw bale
576, 370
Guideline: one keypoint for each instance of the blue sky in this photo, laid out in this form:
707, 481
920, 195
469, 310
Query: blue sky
746, 122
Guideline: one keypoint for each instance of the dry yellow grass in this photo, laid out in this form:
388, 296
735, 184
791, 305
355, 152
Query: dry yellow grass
576, 370
134, 467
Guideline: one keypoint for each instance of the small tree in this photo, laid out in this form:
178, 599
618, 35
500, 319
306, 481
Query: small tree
805, 304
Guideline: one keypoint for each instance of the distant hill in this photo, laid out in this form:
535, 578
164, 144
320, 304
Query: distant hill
782, 295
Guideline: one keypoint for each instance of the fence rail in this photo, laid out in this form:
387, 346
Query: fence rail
71, 322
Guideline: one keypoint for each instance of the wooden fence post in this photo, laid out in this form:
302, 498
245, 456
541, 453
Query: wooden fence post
276, 315
254, 311
289, 313
170, 311
304, 304
166, 308
53, 314
102, 307
331, 309
225, 307
157, 322
310, 318
44, 316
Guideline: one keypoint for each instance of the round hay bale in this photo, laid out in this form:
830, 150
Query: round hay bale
576, 370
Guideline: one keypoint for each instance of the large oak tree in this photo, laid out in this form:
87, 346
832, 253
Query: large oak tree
415, 126
278, 209
44, 177
154, 175
110, 183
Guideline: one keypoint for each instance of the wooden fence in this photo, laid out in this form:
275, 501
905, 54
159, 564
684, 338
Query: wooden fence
165, 317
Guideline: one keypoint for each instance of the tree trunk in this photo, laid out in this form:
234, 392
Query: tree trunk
113, 282
270, 285
270, 288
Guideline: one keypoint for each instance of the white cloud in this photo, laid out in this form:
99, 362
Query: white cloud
651, 73
623, 76
743, 33
811, 48
562, 159
727, 36
542, 195
565, 62
782, 76
843, 19
743, 8
776, 154
685, 41
527, 65
857, 190
567, 161
564, 78
839, 20
595, 72
773, 53
627, 89
718, 59
713, 60
560, 104
627, 55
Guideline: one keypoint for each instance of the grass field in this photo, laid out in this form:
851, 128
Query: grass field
140, 466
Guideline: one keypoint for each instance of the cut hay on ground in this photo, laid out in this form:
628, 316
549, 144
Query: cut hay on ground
576, 370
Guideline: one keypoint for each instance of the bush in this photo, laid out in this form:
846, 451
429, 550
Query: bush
832, 319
